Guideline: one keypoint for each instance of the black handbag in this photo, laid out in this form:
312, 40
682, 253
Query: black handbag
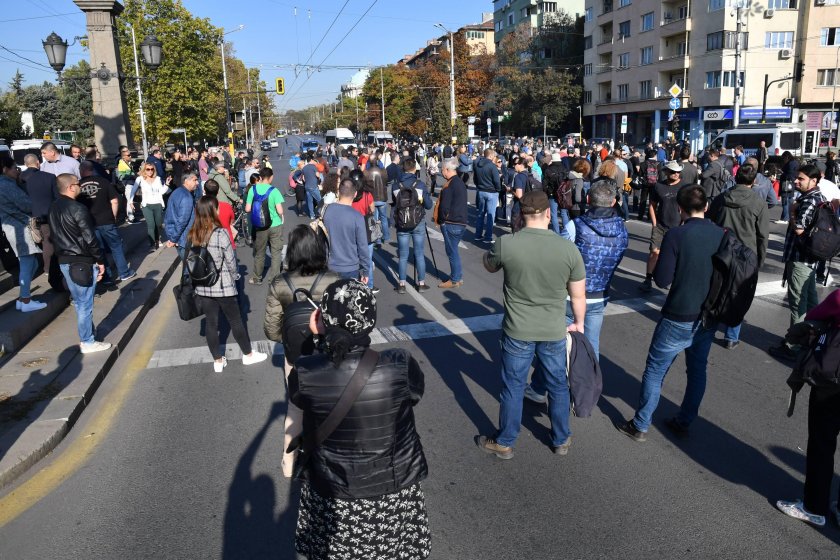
81, 274
185, 297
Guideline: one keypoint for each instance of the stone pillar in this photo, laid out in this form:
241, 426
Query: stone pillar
110, 112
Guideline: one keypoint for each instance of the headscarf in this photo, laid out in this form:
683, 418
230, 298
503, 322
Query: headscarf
348, 309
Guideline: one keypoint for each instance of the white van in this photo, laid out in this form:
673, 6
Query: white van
341, 138
783, 138
22, 147
379, 138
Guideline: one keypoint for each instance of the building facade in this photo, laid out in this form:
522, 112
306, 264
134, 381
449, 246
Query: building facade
636, 50
510, 14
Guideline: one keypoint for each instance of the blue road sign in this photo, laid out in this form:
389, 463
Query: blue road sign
675, 103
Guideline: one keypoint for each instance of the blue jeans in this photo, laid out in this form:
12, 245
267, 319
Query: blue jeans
554, 207
517, 356
669, 339
313, 197
624, 209
83, 302
452, 234
786, 200
416, 236
733, 334
568, 231
485, 205
592, 322
28, 265
110, 241
353, 275
382, 216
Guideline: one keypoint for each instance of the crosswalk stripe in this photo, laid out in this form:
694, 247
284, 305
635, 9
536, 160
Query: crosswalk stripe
419, 331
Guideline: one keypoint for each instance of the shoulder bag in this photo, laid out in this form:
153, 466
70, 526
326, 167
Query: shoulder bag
345, 402
185, 296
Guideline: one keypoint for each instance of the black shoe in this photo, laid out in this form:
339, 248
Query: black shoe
782, 352
646, 286
629, 429
400, 289
423, 287
677, 427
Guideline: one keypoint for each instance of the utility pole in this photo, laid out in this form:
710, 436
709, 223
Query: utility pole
382, 93
452, 114
140, 96
250, 112
245, 123
736, 113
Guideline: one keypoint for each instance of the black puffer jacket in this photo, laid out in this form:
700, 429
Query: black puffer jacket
72, 233
375, 450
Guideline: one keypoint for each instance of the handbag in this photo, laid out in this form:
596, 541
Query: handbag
345, 402
185, 297
374, 229
34, 228
788, 186
81, 274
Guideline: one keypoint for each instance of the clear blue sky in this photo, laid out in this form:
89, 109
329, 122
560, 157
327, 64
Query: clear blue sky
391, 29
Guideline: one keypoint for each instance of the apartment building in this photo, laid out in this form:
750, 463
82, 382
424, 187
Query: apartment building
635, 50
510, 14
478, 36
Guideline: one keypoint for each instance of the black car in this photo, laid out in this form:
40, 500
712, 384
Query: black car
265, 145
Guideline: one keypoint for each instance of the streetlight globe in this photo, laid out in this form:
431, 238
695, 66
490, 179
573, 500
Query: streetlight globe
56, 49
152, 50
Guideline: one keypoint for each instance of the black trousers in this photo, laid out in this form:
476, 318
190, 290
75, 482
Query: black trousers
823, 428
230, 307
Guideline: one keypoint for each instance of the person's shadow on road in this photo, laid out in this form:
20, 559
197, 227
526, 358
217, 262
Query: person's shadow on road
251, 528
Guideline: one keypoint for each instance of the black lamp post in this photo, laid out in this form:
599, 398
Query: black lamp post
56, 49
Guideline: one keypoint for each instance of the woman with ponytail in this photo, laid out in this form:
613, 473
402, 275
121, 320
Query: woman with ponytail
361, 496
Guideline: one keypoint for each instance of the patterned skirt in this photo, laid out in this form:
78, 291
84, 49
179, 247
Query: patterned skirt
390, 527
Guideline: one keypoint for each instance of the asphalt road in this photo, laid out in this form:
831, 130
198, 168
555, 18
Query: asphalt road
186, 462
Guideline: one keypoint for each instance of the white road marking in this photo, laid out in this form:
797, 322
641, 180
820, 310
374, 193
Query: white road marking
424, 303
419, 331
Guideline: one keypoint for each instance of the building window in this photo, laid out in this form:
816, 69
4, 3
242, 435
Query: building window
622, 3
588, 17
726, 40
623, 29
682, 49
778, 40
714, 41
587, 69
826, 77
607, 7
647, 22
549, 7
500, 25
587, 96
646, 89
729, 79
623, 92
781, 4
526, 12
713, 80
545, 53
587, 42
646, 56
830, 36
715, 5
624, 60
510, 20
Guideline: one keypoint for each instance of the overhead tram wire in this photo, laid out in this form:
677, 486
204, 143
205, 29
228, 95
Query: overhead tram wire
349, 31
24, 58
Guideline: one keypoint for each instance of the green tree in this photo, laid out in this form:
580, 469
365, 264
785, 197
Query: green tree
75, 102
42, 101
11, 127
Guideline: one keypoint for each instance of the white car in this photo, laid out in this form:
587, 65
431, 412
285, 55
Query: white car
275, 143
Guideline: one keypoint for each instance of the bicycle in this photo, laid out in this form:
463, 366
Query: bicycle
242, 226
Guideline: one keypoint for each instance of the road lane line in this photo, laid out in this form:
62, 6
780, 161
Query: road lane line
81, 449
424, 303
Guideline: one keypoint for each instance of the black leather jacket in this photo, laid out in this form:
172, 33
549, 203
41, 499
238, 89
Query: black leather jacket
72, 232
375, 450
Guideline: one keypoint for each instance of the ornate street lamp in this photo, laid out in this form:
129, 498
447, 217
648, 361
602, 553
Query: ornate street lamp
152, 50
56, 49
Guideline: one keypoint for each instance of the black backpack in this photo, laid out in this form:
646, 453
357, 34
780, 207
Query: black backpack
820, 365
822, 238
201, 267
533, 184
298, 339
734, 280
409, 213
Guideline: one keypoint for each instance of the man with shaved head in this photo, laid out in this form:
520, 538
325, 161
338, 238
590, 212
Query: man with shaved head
79, 256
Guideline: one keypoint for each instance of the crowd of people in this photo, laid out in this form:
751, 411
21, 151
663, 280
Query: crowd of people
350, 433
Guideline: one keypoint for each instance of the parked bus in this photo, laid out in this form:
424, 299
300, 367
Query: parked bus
341, 137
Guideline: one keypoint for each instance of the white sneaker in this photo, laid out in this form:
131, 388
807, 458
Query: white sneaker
95, 346
532, 395
253, 358
31, 306
797, 511
219, 366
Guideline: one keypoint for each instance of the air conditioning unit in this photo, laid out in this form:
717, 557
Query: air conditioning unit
785, 54
769, 13
788, 102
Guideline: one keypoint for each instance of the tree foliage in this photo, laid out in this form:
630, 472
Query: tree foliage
75, 103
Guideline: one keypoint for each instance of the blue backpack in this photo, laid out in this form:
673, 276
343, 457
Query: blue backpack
260, 211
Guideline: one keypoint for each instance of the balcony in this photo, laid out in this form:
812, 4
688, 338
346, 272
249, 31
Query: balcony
605, 69
673, 26
673, 62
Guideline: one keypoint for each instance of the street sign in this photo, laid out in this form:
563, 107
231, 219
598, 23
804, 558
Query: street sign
489, 121
471, 130
671, 115
675, 103
178, 130
624, 124
471, 120
675, 90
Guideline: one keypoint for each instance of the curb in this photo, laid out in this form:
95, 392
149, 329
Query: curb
71, 402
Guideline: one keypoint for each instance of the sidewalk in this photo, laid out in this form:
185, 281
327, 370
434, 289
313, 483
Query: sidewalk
45, 382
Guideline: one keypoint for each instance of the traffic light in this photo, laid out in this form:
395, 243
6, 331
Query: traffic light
281, 86
799, 71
